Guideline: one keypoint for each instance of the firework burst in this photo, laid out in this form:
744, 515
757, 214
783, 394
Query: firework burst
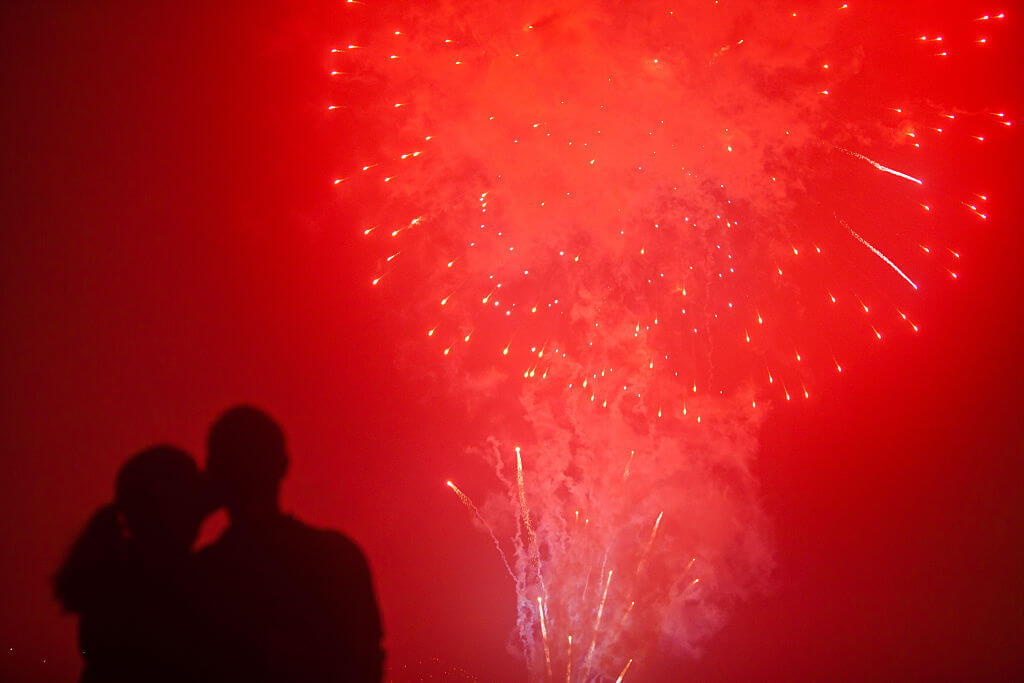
648, 220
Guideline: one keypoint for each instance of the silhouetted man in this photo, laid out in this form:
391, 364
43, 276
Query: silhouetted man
286, 602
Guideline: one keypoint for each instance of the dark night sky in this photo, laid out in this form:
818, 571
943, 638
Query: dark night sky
171, 247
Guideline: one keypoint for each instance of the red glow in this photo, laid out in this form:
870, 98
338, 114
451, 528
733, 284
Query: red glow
671, 174
193, 199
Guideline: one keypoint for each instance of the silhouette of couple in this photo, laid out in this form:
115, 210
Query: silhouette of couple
271, 600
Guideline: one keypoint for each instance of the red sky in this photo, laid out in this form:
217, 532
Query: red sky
171, 247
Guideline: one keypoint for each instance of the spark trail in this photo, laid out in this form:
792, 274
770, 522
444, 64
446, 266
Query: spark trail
544, 635
622, 674
880, 167
597, 624
476, 513
879, 254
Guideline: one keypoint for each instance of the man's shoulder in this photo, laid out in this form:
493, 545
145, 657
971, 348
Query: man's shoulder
328, 541
287, 538
213, 552
230, 543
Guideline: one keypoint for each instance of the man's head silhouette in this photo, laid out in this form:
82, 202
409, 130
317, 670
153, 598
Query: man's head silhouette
246, 462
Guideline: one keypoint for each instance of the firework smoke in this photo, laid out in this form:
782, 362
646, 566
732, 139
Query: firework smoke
616, 224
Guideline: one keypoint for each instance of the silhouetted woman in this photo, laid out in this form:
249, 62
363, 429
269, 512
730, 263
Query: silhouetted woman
129, 576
